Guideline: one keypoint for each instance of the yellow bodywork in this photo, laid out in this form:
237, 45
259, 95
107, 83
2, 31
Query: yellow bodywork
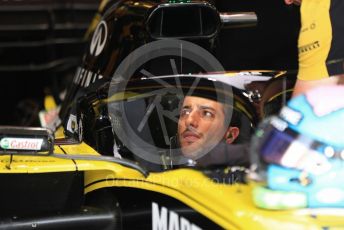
229, 206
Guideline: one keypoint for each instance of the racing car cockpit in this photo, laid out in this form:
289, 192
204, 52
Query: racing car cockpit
149, 119
144, 120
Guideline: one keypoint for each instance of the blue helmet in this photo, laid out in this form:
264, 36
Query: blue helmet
301, 152
318, 114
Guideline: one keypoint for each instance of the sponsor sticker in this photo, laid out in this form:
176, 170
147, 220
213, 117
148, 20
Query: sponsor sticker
99, 39
162, 218
72, 125
21, 143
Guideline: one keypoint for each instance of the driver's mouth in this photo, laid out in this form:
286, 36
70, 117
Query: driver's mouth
190, 137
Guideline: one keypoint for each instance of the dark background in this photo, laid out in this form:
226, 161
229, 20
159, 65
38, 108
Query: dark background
41, 44
272, 44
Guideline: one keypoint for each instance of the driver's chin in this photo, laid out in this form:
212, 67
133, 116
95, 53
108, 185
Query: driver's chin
193, 150
190, 151
199, 148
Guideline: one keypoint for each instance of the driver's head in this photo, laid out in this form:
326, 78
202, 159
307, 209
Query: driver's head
202, 125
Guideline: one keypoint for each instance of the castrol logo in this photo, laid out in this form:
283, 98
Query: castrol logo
21, 143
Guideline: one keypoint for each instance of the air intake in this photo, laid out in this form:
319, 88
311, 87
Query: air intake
186, 20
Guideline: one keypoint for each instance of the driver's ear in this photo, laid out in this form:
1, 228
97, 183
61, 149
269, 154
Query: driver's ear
231, 134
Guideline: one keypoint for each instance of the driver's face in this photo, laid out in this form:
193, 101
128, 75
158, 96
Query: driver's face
201, 123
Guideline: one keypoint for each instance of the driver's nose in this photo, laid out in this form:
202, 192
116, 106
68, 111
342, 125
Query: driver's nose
192, 119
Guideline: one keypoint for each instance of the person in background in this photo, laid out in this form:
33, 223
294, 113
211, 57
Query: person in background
320, 44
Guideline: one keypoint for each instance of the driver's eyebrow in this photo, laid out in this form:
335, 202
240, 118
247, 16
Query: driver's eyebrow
206, 107
186, 107
199, 107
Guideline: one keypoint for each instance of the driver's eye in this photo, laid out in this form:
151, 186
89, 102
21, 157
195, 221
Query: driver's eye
207, 114
184, 112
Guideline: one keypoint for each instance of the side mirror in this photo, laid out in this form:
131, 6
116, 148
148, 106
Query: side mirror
238, 19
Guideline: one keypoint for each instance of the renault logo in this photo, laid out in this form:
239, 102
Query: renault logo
99, 39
